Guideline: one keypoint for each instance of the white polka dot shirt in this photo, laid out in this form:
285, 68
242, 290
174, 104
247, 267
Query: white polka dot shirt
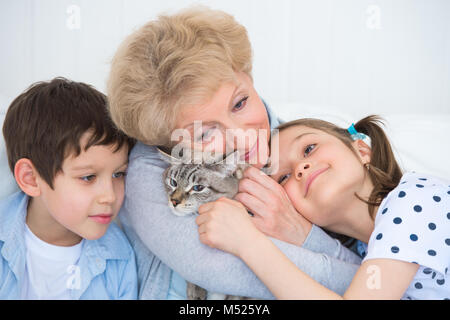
413, 225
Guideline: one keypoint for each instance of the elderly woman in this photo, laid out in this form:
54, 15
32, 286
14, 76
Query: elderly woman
196, 66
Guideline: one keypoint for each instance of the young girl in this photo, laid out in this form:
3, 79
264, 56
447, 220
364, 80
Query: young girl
348, 182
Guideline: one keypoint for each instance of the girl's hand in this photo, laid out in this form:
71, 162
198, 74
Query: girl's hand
225, 224
274, 213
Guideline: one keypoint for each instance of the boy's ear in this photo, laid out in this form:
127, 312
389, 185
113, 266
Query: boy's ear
26, 177
363, 150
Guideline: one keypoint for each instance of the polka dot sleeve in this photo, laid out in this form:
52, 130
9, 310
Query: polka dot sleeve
413, 223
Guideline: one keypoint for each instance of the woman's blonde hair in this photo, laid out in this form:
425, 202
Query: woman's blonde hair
176, 60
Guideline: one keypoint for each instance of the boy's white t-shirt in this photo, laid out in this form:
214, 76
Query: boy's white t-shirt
413, 225
49, 269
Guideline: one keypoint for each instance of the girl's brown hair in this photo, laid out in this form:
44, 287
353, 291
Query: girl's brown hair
384, 171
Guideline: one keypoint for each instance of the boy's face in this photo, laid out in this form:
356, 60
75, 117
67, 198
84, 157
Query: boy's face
89, 191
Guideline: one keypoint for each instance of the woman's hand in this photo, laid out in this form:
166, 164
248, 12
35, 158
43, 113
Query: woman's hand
274, 214
226, 225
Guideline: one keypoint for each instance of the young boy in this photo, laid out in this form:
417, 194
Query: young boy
56, 236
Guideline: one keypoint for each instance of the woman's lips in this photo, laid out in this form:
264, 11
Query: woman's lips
312, 177
252, 151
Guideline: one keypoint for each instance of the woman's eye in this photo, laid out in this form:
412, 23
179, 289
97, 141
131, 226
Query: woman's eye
173, 183
198, 188
240, 105
283, 178
120, 174
88, 178
206, 133
309, 149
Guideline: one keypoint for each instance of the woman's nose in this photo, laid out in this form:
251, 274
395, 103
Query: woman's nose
301, 170
239, 137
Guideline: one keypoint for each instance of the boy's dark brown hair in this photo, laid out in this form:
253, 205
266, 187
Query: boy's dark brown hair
384, 171
46, 122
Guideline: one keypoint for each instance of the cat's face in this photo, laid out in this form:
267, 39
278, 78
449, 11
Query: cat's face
188, 186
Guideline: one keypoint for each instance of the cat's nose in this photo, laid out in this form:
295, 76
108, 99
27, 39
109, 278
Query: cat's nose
175, 202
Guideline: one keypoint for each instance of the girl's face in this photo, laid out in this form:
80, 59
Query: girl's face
319, 173
233, 119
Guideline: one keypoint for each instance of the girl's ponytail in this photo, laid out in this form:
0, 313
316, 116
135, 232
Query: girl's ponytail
383, 169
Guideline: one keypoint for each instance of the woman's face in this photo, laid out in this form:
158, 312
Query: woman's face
319, 173
233, 119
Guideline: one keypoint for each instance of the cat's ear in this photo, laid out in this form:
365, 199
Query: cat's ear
228, 166
168, 158
232, 158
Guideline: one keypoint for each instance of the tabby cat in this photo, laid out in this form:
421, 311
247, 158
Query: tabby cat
189, 185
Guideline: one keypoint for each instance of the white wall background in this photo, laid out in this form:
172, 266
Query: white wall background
311, 57
373, 55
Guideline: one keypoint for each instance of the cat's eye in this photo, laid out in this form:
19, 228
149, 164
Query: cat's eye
198, 188
173, 183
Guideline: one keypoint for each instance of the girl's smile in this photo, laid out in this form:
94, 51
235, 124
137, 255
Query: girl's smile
321, 176
312, 177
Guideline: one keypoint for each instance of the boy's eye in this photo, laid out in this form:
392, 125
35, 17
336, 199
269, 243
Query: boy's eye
88, 178
240, 105
309, 148
198, 188
119, 174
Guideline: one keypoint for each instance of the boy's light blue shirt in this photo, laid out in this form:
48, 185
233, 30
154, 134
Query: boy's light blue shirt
107, 266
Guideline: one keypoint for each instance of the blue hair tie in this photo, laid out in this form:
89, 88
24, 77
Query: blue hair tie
352, 129
355, 135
